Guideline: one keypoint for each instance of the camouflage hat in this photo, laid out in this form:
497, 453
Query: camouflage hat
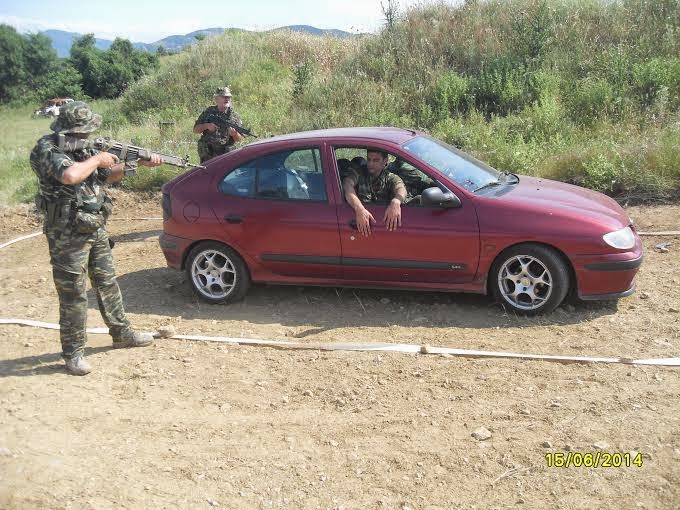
223, 91
76, 117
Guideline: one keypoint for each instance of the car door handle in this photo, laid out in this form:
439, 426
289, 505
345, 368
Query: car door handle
353, 225
233, 218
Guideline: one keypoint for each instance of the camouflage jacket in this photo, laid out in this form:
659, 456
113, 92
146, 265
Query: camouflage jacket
221, 136
414, 180
49, 162
380, 188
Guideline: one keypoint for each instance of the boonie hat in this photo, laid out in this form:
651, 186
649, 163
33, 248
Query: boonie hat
223, 91
76, 117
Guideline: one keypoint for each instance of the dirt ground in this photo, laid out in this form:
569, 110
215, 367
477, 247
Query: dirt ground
201, 425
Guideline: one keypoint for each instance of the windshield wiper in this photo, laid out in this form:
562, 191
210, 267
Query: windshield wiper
488, 185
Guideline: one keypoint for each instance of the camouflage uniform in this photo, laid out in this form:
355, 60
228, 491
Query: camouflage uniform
380, 188
213, 144
414, 180
75, 217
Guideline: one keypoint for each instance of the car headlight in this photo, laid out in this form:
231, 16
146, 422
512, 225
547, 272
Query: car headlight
623, 239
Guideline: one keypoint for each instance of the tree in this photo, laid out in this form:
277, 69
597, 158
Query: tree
87, 60
63, 81
40, 59
12, 74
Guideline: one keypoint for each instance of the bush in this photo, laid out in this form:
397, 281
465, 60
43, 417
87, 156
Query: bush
591, 99
448, 95
500, 89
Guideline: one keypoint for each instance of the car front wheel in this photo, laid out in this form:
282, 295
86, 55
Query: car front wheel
217, 273
530, 278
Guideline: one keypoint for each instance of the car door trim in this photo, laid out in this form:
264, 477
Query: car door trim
364, 262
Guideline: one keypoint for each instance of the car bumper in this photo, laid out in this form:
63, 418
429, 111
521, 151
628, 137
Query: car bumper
174, 248
607, 277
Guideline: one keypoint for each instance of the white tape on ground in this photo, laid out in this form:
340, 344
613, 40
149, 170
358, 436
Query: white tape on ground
34, 234
380, 347
27, 236
661, 233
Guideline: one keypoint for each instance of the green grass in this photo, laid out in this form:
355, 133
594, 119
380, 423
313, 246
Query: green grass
19, 130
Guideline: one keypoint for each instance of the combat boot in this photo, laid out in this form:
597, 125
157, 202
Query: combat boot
78, 366
132, 339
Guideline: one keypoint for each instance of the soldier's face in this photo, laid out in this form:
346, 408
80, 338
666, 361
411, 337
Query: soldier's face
222, 102
375, 162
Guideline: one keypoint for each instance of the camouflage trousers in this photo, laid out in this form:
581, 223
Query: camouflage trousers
208, 149
74, 257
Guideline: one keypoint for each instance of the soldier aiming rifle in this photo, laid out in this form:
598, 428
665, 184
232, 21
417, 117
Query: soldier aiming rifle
71, 176
220, 127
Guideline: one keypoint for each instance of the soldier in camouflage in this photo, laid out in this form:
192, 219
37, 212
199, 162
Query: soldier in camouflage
217, 140
374, 183
75, 206
415, 181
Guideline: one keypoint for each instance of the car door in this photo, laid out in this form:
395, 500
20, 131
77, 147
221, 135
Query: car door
433, 245
276, 209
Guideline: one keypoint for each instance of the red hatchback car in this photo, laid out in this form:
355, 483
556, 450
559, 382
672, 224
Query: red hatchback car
273, 211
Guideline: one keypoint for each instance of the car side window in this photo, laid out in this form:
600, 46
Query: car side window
286, 175
240, 182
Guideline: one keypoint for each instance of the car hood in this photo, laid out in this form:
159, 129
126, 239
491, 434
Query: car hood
566, 200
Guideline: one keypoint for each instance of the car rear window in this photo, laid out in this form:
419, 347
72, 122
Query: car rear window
285, 175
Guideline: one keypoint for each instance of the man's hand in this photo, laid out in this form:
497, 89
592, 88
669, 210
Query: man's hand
154, 161
364, 219
106, 160
235, 134
392, 216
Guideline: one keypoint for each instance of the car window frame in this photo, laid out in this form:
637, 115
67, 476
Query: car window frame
391, 152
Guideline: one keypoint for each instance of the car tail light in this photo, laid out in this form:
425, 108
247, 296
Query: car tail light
167, 209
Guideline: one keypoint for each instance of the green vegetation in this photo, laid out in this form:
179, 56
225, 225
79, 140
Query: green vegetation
582, 91
31, 71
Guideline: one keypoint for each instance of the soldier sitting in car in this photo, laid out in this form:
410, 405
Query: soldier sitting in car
374, 183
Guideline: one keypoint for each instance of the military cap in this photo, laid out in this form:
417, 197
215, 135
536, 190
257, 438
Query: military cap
76, 117
223, 91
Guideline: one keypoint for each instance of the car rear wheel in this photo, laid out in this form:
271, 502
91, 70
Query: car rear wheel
530, 278
217, 273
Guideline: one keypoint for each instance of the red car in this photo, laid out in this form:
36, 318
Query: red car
273, 211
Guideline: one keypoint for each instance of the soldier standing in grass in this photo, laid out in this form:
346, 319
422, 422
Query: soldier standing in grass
216, 139
76, 208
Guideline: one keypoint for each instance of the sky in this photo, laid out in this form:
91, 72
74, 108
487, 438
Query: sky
151, 20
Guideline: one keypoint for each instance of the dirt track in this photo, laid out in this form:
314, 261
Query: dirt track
198, 425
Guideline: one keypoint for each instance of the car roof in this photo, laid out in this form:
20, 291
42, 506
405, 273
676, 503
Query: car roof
385, 134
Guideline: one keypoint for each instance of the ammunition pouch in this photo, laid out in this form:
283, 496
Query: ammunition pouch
57, 215
87, 222
91, 217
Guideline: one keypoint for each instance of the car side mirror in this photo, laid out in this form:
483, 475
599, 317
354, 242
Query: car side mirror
435, 196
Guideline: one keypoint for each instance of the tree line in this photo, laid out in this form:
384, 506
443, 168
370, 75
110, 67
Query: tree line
30, 69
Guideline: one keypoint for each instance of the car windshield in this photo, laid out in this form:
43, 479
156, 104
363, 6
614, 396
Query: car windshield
461, 168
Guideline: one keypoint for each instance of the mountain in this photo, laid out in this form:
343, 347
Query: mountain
333, 32
62, 41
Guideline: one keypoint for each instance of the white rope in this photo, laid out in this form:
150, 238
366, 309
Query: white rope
27, 236
380, 347
37, 233
662, 233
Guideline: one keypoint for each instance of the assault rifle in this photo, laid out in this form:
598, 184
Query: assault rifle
126, 153
221, 122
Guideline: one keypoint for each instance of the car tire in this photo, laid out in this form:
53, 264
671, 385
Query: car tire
531, 279
216, 273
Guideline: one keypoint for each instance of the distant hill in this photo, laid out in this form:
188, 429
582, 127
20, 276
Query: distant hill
62, 41
332, 32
